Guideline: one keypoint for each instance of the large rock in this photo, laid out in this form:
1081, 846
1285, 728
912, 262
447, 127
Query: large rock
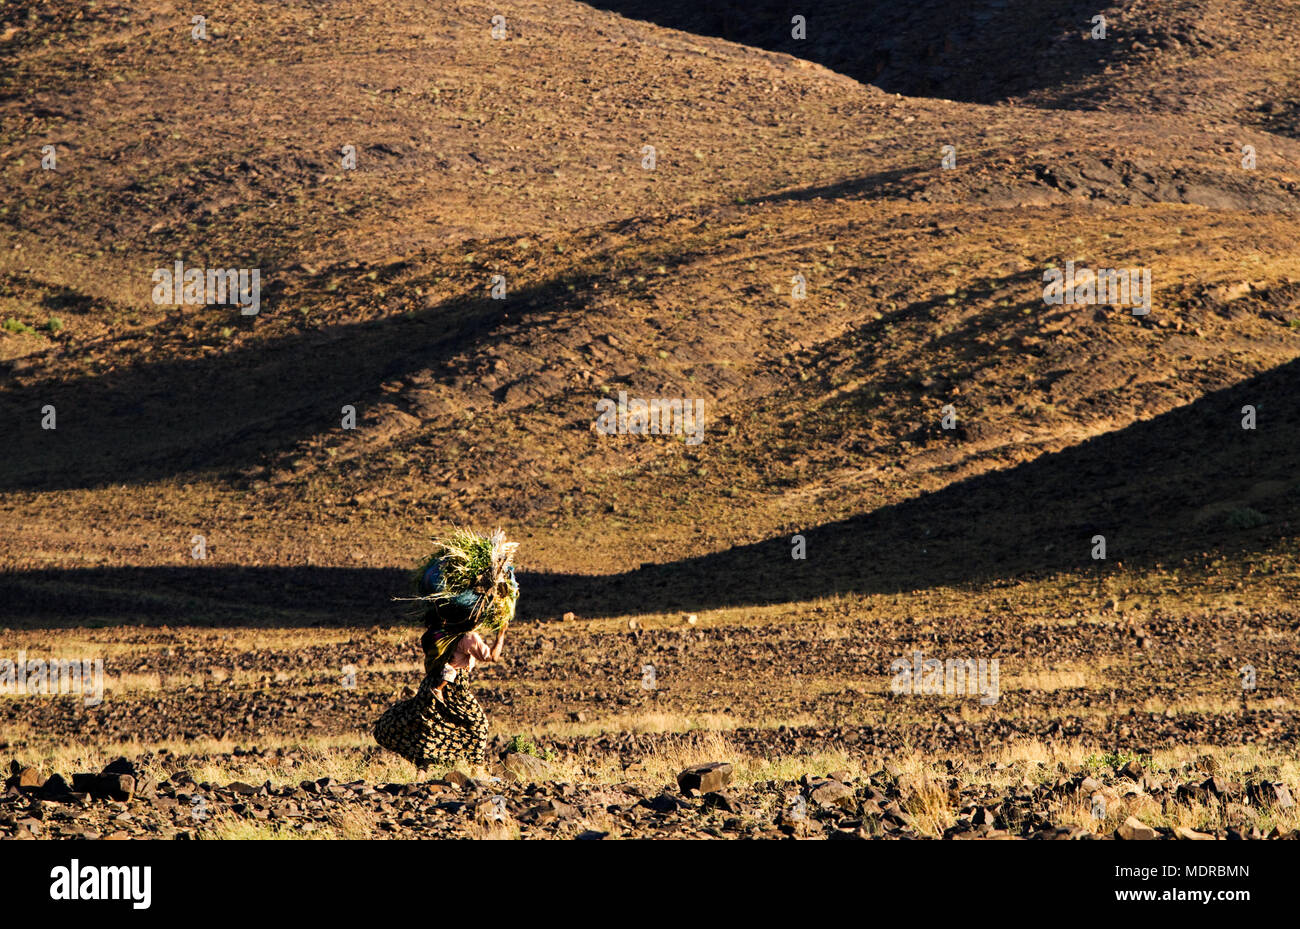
830, 794
121, 766
1219, 786
718, 800
24, 777
704, 778
1272, 793
145, 785
56, 788
119, 787
662, 804
1134, 830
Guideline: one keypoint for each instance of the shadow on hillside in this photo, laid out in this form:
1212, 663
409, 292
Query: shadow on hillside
236, 408
1142, 487
884, 183
953, 49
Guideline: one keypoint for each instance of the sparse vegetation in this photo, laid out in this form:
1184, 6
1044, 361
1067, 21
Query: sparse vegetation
525, 746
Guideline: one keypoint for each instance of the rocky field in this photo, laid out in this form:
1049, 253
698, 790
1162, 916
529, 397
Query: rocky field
469, 234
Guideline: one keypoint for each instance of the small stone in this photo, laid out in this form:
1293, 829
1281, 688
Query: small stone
569, 617
550, 811
30, 826
1183, 832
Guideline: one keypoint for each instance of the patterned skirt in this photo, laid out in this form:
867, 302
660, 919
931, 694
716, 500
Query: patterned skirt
427, 731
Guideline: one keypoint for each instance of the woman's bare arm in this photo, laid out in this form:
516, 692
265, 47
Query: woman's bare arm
499, 644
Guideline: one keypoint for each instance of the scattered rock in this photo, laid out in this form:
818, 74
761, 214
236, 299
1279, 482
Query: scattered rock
550, 811
705, 778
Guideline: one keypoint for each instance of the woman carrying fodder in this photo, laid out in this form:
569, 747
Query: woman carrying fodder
468, 584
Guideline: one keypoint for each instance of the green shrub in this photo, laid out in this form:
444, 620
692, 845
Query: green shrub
523, 745
1243, 517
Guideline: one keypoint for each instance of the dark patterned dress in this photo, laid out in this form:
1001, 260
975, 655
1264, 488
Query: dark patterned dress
429, 732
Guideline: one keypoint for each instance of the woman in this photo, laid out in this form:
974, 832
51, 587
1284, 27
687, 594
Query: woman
470, 585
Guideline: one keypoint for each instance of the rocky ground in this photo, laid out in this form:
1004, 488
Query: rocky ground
266, 731
521, 800
799, 257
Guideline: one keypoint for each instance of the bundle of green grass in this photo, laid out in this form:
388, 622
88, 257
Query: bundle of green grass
468, 584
